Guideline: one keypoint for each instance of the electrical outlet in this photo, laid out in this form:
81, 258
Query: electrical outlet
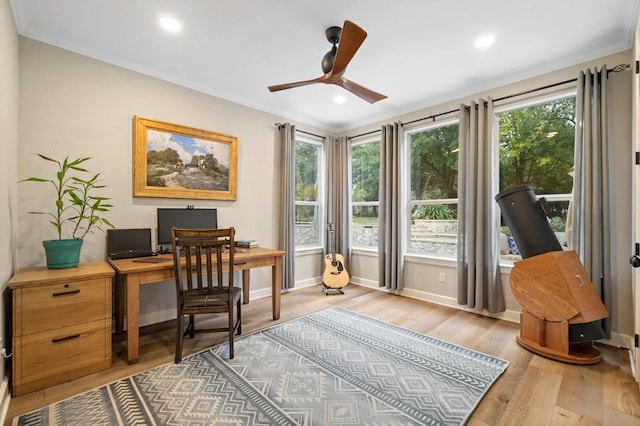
443, 277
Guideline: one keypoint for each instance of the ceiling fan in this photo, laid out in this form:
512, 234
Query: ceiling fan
348, 39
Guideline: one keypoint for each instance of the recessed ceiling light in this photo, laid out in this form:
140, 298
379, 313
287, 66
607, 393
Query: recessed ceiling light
170, 24
485, 41
339, 99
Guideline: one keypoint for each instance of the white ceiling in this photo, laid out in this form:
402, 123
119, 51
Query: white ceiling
418, 52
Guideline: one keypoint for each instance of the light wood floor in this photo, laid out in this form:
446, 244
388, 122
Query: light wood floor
532, 391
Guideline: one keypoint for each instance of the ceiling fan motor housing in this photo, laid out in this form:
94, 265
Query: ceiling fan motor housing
333, 35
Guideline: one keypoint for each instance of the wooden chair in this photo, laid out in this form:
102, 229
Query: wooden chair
200, 282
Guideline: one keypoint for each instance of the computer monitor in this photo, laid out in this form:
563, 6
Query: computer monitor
184, 218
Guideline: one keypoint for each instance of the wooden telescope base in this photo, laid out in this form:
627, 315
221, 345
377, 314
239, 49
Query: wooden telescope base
579, 353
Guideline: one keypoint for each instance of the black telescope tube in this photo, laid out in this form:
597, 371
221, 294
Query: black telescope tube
527, 221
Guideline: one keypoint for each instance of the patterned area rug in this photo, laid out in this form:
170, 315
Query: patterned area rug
333, 367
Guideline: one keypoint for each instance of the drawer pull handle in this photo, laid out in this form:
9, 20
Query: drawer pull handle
62, 339
65, 293
239, 263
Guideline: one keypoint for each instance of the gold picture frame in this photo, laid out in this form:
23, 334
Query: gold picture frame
173, 161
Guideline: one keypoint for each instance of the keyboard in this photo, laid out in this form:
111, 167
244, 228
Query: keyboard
131, 255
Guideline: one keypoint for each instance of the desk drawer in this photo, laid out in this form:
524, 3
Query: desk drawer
65, 304
55, 352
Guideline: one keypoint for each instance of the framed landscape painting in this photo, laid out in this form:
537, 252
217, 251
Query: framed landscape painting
173, 161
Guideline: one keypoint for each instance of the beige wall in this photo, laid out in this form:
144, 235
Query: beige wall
9, 171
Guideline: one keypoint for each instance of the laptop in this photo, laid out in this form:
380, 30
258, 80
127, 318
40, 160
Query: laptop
129, 243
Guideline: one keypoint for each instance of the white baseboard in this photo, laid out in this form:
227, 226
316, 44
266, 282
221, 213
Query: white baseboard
5, 393
366, 283
508, 315
618, 340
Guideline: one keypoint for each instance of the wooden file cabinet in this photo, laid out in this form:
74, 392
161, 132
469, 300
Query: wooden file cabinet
61, 324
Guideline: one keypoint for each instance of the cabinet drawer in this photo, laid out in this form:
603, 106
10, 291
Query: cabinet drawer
54, 352
62, 304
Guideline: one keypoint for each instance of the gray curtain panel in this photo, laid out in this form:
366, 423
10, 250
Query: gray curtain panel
390, 260
337, 184
590, 212
479, 284
286, 139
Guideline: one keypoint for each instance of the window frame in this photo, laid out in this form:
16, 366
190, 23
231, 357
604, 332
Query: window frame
538, 99
319, 203
352, 204
406, 185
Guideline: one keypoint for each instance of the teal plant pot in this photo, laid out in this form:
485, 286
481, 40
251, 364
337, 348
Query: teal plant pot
62, 254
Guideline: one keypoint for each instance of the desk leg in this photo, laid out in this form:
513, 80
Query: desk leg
119, 302
133, 316
246, 276
276, 286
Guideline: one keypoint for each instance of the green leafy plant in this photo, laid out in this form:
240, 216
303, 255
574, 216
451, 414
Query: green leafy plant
434, 212
77, 211
557, 224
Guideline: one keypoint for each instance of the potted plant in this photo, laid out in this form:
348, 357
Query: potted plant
77, 210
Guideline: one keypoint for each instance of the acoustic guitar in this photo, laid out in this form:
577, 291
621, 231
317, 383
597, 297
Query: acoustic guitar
335, 275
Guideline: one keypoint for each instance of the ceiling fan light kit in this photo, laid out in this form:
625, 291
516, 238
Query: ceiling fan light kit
348, 39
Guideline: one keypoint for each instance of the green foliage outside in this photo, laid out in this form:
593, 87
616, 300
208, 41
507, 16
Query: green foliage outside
536, 147
365, 168
365, 184
434, 163
434, 212
557, 224
306, 157
434, 170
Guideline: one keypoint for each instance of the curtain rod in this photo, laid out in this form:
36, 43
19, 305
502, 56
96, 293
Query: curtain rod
279, 125
617, 68
311, 134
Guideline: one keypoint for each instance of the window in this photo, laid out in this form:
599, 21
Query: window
309, 192
365, 183
433, 183
536, 147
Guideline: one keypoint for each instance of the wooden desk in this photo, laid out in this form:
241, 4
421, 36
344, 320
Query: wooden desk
132, 273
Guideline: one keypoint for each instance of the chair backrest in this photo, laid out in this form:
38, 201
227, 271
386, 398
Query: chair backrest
199, 256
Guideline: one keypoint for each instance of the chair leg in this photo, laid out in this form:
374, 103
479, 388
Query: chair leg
239, 317
231, 333
179, 339
192, 327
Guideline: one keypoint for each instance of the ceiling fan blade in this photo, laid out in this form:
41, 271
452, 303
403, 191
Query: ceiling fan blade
350, 41
360, 91
297, 84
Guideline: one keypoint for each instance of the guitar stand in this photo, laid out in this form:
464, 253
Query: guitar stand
328, 290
